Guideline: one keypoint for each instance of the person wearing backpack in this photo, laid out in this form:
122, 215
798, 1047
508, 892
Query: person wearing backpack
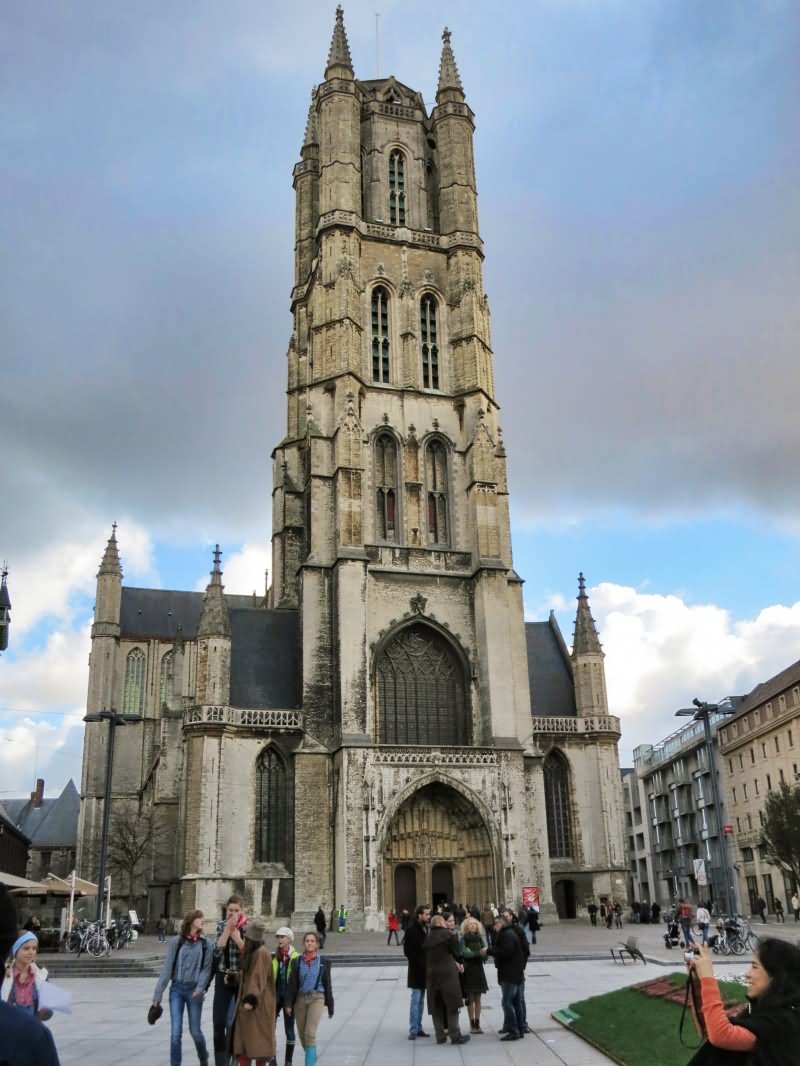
187, 970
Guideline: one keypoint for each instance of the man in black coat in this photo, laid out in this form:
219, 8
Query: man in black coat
509, 960
414, 951
321, 925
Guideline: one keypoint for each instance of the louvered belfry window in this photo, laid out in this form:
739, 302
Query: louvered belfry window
421, 690
380, 335
386, 487
397, 188
272, 821
436, 486
557, 802
430, 346
133, 692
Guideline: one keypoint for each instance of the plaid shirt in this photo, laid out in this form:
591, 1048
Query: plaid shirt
229, 958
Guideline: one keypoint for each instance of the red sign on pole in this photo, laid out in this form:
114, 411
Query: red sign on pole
530, 896
727, 829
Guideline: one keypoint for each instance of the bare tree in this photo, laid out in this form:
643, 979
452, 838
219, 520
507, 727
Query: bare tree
133, 836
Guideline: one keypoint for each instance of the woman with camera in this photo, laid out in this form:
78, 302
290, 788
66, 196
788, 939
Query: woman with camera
767, 1032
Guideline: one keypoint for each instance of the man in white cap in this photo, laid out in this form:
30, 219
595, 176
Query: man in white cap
284, 960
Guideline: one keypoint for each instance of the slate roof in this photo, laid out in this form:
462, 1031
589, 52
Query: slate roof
549, 670
767, 690
146, 613
265, 658
54, 824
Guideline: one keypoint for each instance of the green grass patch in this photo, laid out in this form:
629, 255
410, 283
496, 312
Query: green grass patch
640, 1030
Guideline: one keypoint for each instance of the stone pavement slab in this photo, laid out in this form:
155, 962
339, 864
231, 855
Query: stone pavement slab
109, 1027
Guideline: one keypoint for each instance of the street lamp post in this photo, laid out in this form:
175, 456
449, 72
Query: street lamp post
114, 719
701, 712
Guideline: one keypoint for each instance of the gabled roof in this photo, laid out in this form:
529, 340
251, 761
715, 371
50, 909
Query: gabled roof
767, 690
54, 824
146, 613
549, 670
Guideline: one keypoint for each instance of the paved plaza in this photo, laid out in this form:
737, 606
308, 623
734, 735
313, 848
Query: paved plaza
108, 1026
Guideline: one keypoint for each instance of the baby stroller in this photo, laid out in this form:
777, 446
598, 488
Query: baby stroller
672, 937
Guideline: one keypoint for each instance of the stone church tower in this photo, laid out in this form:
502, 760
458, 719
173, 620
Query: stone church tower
384, 728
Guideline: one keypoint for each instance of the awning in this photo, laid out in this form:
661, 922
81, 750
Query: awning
22, 884
63, 885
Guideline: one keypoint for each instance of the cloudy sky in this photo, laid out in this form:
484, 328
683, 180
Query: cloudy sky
639, 178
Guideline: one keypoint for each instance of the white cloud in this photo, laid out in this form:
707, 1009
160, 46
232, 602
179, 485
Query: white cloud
243, 571
661, 652
43, 583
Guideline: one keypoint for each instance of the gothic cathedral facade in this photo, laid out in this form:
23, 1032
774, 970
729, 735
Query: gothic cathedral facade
382, 728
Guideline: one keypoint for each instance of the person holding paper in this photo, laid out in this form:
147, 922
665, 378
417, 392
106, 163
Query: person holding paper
23, 979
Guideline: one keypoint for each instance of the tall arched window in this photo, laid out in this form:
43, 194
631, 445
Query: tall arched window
430, 343
272, 810
436, 488
165, 679
397, 188
386, 487
557, 803
133, 692
422, 693
380, 335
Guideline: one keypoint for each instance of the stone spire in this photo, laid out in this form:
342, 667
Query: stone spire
214, 619
586, 640
110, 563
450, 87
311, 136
340, 65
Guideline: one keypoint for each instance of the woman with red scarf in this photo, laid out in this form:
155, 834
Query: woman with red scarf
187, 970
307, 992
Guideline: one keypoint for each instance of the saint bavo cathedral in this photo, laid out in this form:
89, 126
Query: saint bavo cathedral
382, 728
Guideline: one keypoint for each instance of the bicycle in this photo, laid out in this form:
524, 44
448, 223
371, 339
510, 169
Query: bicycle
94, 941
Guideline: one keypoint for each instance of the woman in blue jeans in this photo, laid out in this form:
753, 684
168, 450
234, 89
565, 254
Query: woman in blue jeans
187, 969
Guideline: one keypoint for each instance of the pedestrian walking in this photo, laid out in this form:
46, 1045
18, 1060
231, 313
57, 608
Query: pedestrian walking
474, 948
609, 913
341, 919
308, 990
777, 906
761, 908
685, 916
703, 919
443, 968
393, 925
405, 919
618, 915
228, 950
187, 971
321, 925
510, 963
534, 925
161, 928
285, 959
592, 909
414, 951
795, 903
24, 1040
23, 980
253, 1035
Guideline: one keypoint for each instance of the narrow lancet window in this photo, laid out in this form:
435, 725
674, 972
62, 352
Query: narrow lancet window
380, 335
397, 188
272, 812
558, 806
166, 679
133, 692
436, 486
386, 487
430, 345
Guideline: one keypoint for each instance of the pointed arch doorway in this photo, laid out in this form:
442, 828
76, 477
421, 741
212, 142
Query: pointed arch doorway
438, 850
